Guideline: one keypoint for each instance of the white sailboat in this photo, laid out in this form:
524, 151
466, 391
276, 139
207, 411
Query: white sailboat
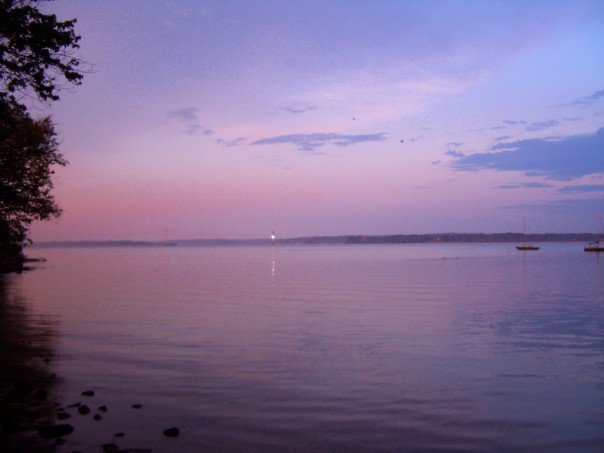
595, 246
525, 246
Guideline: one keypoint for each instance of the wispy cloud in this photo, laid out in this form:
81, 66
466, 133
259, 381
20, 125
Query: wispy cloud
585, 100
193, 128
541, 125
190, 115
309, 142
502, 138
524, 185
230, 142
513, 122
456, 144
454, 153
559, 159
587, 188
297, 110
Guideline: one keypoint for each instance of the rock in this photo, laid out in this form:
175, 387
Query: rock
52, 431
88, 393
103, 408
110, 448
63, 415
83, 409
137, 406
97, 417
120, 434
171, 432
75, 405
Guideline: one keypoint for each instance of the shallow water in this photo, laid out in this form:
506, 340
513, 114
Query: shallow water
370, 347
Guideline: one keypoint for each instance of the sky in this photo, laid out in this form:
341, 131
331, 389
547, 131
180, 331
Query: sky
231, 119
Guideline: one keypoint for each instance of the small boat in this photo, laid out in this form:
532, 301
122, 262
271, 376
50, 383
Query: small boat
595, 246
526, 246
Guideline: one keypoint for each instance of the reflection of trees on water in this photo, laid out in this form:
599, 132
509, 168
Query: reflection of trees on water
26, 383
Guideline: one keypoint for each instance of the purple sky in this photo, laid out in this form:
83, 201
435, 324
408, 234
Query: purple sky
228, 119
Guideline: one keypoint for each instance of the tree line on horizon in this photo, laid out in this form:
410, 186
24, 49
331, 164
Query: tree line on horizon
37, 54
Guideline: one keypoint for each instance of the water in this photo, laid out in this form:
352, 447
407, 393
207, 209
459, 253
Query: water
373, 347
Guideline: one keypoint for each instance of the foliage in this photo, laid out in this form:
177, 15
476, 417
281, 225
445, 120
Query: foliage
36, 55
35, 51
28, 151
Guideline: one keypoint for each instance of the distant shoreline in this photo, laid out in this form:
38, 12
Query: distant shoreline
443, 238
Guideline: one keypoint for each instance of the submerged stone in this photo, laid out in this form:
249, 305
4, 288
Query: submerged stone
51, 431
83, 409
88, 393
171, 432
120, 434
103, 408
97, 417
110, 448
137, 406
63, 415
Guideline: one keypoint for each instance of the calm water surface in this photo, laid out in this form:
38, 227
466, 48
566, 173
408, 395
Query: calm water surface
465, 347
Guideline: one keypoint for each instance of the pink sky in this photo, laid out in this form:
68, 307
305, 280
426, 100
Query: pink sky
231, 119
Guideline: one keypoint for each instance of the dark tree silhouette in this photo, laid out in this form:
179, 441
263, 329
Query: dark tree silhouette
36, 55
36, 51
28, 151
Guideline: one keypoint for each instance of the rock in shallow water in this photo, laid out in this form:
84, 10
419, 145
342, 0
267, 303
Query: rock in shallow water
103, 408
110, 448
63, 415
83, 409
88, 393
137, 406
171, 432
97, 417
51, 431
120, 434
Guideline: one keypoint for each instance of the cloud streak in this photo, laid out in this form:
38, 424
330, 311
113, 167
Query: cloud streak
524, 185
559, 159
586, 100
297, 111
454, 153
190, 115
230, 142
310, 142
541, 125
587, 188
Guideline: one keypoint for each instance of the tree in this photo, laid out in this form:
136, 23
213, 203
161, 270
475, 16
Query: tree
28, 151
36, 54
36, 50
